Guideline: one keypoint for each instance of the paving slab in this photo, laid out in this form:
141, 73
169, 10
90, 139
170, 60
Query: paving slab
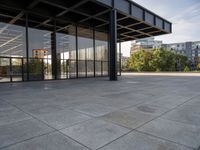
62, 119
189, 114
12, 117
184, 134
93, 109
129, 119
53, 141
10, 114
95, 133
194, 101
138, 100
36, 109
149, 109
170, 101
20, 131
139, 141
120, 103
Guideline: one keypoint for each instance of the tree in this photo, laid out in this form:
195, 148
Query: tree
198, 66
163, 60
187, 69
156, 60
140, 61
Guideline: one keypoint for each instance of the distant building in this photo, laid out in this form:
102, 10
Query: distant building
39, 53
189, 49
145, 44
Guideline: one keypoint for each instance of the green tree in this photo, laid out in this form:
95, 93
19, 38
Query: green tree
198, 66
140, 61
163, 60
187, 69
181, 62
156, 60
35, 66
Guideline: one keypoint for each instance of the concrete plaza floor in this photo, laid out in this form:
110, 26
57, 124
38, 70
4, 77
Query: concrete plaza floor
134, 113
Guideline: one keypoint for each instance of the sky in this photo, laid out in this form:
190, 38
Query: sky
184, 15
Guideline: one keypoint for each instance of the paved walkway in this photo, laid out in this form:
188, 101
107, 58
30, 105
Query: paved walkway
134, 113
175, 74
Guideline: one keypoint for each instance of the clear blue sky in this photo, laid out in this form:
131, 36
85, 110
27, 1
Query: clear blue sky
184, 14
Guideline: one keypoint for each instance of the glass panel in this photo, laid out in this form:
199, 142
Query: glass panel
12, 40
98, 68
85, 52
12, 44
36, 69
4, 70
90, 68
47, 69
16, 69
81, 68
101, 53
25, 68
62, 68
118, 47
105, 68
40, 53
66, 52
72, 68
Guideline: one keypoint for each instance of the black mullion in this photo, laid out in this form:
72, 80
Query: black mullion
27, 49
76, 51
94, 52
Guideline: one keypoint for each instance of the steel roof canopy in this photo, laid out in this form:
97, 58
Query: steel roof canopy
133, 20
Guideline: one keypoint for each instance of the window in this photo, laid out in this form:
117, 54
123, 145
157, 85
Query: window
66, 52
12, 41
85, 52
101, 53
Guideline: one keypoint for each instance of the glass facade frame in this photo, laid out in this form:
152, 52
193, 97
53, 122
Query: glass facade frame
36, 62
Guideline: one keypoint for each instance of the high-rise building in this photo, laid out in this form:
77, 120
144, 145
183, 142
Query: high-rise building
189, 49
145, 44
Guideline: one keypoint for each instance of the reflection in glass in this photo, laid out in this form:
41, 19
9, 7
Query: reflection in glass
12, 40
14, 62
101, 54
12, 49
4, 70
17, 69
85, 52
66, 53
119, 45
39, 54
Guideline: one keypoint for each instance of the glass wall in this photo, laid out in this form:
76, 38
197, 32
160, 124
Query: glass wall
5, 70
101, 54
12, 40
40, 63
85, 52
12, 50
66, 52
119, 55
88, 56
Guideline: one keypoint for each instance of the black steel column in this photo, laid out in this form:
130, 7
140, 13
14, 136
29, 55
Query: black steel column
113, 46
53, 53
